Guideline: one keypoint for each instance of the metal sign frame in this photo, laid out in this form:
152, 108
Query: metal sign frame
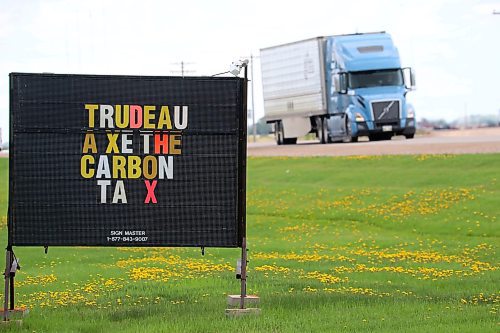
230, 239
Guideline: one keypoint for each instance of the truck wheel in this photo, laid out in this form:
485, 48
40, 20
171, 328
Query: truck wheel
289, 141
348, 133
322, 128
410, 136
278, 133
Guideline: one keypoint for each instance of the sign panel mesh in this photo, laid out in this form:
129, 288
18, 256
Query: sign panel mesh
126, 160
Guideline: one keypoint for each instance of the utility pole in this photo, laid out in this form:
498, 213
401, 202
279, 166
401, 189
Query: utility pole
465, 116
183, 65
254, 128
495, 12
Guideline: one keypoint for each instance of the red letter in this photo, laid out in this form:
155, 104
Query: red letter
150, 186
161, 141
135, 116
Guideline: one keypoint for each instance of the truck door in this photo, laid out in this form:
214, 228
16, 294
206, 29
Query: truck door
339, 103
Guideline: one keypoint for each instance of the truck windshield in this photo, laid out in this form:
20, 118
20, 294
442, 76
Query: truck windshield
389, 77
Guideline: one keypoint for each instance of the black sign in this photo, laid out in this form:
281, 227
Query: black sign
127, 160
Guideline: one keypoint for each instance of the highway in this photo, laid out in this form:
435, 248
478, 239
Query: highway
473, 141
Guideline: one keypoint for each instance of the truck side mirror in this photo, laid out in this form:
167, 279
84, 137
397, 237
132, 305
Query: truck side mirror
409, 78
340, 83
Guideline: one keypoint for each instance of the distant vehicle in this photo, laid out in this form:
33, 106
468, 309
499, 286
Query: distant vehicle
338, 87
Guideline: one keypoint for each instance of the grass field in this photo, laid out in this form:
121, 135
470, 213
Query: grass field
351, 244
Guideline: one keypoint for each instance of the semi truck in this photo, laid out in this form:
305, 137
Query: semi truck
339, 87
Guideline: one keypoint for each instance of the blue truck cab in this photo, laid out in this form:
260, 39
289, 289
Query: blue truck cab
339, 87
366, 89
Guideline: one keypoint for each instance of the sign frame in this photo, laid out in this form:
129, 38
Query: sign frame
241, 158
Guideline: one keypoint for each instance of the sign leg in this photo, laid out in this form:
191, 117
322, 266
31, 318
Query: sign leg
243, 272
8, 263
12, 292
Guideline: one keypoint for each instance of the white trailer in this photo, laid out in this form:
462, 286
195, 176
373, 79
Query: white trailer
293, 80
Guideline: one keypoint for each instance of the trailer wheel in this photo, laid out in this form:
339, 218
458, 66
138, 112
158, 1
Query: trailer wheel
278, 133
410, 136
348, 133
322, 130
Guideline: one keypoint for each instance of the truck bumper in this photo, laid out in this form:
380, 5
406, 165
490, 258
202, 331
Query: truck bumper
364, 128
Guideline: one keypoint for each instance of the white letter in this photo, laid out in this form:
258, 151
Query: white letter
103, 167
103, 184
125, 144
177, 123
119, 192
146, 142
165, 168
106, 113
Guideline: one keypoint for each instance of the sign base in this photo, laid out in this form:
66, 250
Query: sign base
11, 322
234, 313
234, 300
16, 313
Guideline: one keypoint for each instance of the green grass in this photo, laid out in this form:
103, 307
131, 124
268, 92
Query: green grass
350, 244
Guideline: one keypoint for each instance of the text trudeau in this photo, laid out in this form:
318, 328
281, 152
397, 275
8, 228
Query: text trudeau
160, 140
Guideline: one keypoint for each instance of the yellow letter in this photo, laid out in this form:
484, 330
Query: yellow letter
85, 170
148, 116
175, 142
164, 118
134, 166
112, 146
145, 168
89, 143
121, 118
91, 108
119, 166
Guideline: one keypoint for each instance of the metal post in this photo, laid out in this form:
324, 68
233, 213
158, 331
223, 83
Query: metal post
8, 264
12, 292
243, 273
243, 228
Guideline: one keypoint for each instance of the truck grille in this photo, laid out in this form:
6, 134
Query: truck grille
386, 111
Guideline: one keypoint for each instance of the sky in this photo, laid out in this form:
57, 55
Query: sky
453, 46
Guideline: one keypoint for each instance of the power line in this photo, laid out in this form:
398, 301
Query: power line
183, 69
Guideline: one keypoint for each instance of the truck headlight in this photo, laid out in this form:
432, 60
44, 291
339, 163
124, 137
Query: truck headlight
410, 112
359, 117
